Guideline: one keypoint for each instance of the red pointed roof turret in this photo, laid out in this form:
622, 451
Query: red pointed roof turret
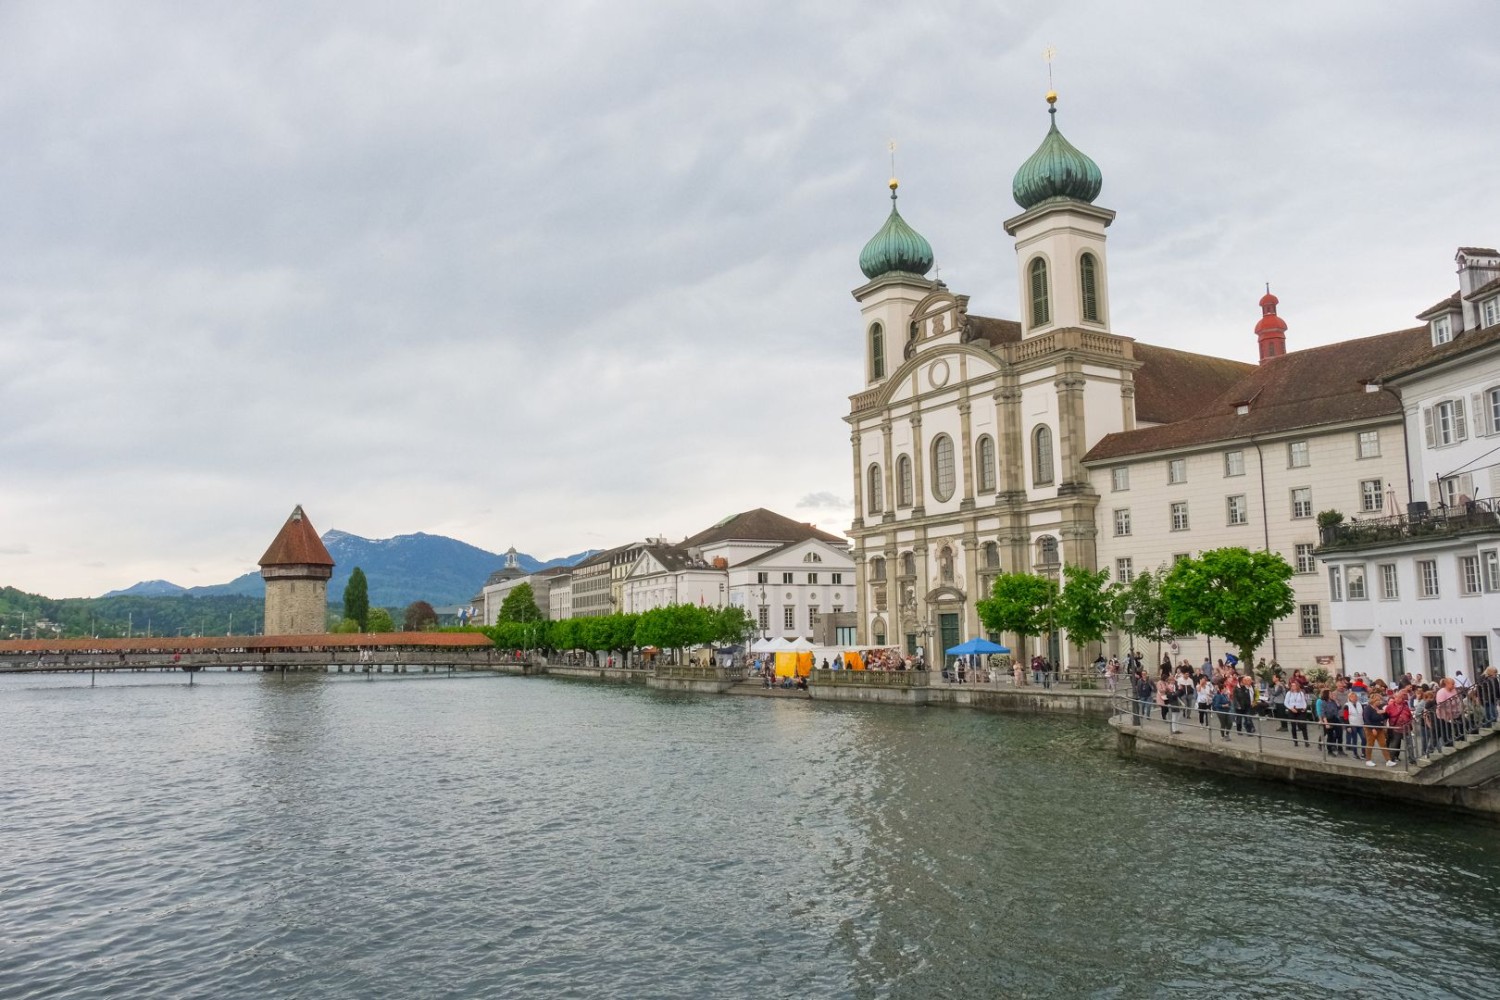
297, 544
1271, 330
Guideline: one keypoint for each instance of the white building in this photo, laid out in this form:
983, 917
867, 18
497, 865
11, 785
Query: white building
1418, 590
560, 594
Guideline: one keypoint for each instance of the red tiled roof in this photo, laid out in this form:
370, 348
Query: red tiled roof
1462, 343
297, 544
1172, 385
994, 331
1307, 388
191, 644
1479, 251
1451, 304
759, 525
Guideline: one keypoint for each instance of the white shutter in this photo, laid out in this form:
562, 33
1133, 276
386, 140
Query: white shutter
1466, 485
1495, 480
1435, 493
1427, 427
1482, 426
1460, 425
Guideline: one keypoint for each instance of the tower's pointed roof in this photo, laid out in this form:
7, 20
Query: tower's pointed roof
1056, 170
297, 544
897, 247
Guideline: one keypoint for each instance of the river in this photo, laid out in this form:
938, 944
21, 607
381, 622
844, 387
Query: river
251, 836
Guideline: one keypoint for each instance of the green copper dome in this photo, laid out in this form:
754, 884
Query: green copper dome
897, 247
1056, 170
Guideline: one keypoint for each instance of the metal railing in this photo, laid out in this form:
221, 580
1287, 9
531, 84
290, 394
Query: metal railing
1407, 747
1474, 515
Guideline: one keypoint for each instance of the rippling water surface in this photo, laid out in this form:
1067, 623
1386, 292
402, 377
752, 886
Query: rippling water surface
332, 837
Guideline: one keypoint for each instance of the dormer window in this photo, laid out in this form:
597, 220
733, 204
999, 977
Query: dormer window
1442, 330
1490, 311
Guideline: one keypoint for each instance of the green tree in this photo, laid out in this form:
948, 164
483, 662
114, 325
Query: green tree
1143, 596
380, 620
1087, 606
345, 626
419, 617
731, 624
1231, 593
357, 599
1019, 603
520, 606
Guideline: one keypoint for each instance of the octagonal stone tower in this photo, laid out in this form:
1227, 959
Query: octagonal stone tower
296, 569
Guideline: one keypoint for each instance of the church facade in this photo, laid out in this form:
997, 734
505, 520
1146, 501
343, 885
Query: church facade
969, 437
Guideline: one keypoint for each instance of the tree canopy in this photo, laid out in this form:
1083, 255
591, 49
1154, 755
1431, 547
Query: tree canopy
357, 599
1232, 593
1088, 606
380, 620
520, 606
419, 617
1021, 603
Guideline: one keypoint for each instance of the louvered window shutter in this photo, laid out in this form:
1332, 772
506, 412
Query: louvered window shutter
1460, 425
1427, 426
1482, 426
1435, 493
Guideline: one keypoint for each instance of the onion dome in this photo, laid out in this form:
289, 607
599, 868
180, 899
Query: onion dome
897, 247
1270, 331
1056, 170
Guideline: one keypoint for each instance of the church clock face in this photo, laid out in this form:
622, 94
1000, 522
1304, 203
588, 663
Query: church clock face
937, 374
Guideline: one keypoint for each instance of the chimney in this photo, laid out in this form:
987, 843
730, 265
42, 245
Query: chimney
1477, 266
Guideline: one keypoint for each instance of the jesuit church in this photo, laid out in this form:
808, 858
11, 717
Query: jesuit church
969, 438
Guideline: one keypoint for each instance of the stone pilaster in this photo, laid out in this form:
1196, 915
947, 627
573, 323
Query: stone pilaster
889, 504
966, 431
919, 479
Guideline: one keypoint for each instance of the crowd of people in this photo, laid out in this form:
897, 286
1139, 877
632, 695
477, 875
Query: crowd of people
1367, 719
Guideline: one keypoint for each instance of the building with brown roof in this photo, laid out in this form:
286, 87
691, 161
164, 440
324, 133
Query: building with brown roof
296, 569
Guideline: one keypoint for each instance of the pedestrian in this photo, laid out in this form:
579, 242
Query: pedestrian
1354, 727
1375, 723
1244, 703
1449, 708
1489, 695
1278, 701
1294, 710
1332, 719
1398, 721
1222, 706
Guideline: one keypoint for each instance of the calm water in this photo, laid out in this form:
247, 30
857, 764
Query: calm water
501, 837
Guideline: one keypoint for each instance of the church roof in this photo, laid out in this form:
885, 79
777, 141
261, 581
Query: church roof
760, 525
896, 247
1172, 385
1303, 389
995, 331
1056, 170
297, 544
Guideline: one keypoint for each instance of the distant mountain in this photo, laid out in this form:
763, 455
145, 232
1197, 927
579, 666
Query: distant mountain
400, 570
150, 588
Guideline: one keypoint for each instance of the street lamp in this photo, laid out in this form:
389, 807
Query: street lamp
765, 621
1129, 618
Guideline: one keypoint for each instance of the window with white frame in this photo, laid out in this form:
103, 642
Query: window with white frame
1310, 619
1302, 501
1041, 456
1297, 456
874, 503
1491, 560
1354, 583
1124, 570
1445, 423
838, 578
1492, 409
812, 578
1428, 575
1371, 495
1468, 575
1177, 471
1122, 521
812, 618
903, 481
1335, 583
789, 616
1369, 444
1238, 511
1178, 557
1120, 478
1234, 463
764, 618
986, 463
1390, 588
1179, 515
1395, 655
1491, 311
1442, 330
1306, 561
762, 577
1436, 665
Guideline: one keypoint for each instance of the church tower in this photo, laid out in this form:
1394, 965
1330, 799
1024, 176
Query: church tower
1270, 331
896, 261
296, 569
1060, 237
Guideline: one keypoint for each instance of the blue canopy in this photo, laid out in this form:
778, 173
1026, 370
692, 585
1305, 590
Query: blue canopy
977, 646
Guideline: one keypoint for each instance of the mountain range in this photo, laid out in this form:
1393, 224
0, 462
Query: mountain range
400, 570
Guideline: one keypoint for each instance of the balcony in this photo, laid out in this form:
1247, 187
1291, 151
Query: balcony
1417, 527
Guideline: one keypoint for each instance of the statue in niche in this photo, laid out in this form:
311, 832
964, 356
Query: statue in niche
945, 565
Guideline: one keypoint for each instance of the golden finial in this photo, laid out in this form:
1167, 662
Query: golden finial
894, 184
1047, 54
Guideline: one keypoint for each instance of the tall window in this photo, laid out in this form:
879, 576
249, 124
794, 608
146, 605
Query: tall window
942, 467
1492, 405
1041, 305
1120, 478
1234, 463
1369, 444
908, 564
1491, 311
1238, 511
986, 463
1041, 455
1088, 280
1354, 583
1436, 668
1444, 423
1335, 583
1302, 501
877, 351
1306, 563
1491, 559
1468, 574
1122, 521
789, 617
1311, 620
1427, 574
1395, 655
812, 578
945, 565
1046, 550
877, 568
903, 481
1371, 495
877, 489
1479, 654
838, 578
1390, 587
786, 578
1180, 515
1297, 456
1124, 569
1177, 470
764, 618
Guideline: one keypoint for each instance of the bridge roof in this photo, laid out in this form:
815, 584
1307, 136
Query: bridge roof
209, 644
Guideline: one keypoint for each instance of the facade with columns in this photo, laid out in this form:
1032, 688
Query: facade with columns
969, 438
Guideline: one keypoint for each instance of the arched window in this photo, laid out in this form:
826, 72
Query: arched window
876, 504
942, 467
1046, 551
1088, 286
1041, 455
986, 463
903, 481
877, 351
877, 568
1041, 305
908, 564
945, 564
991, 555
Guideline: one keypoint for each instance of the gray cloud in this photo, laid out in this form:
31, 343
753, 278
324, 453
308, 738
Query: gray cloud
541, 273
825, 500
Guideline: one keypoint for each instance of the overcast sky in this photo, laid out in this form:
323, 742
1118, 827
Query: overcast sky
558, 275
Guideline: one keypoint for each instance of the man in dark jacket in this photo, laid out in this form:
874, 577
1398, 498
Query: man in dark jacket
1145, 693
1243, 704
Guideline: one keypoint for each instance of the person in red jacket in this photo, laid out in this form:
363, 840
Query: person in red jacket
1398, 718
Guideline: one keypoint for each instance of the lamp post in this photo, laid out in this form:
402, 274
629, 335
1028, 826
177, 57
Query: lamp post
1054, 650
1129, 618
765, 621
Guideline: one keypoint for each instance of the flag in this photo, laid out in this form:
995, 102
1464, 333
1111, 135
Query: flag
1231, 660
